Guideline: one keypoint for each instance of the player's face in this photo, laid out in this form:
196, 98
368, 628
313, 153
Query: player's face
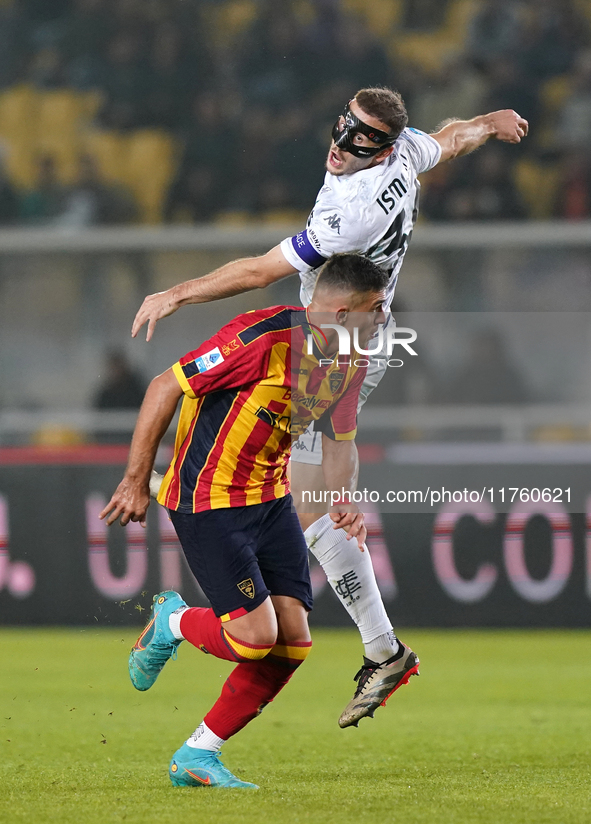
340, 162
368, 315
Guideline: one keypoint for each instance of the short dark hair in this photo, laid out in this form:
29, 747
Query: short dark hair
386, 105
352, 272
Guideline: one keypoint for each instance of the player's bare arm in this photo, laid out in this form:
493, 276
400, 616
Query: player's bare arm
460, 137
231, 279
340, 465
131, 499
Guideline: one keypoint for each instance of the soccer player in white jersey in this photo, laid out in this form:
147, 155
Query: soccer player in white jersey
368, 204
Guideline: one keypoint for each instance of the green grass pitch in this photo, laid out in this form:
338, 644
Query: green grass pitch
497, 729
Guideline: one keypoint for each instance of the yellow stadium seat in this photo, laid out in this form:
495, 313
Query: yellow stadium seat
91, 102
110, 150
537, 185
56, 435
65, 150
151, 164
61, 114
554, 92
554, 433
459, 15
20, 161
382, 16
226, 21
429, 50
19, 111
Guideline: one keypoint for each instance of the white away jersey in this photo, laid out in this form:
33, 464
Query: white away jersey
372, 212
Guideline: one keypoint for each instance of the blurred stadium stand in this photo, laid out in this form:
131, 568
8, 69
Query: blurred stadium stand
218, 113
124, 81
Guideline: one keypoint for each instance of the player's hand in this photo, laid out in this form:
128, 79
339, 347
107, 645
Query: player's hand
129, 502
154, 307
509, 126
352, 520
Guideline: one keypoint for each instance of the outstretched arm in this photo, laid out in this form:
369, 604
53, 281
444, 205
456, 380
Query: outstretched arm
460, 137
232, 279
131, 499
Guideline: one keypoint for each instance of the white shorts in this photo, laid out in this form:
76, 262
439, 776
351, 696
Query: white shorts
308, 447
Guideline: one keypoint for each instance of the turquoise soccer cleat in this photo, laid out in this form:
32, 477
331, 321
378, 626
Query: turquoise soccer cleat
191, 767
156, 644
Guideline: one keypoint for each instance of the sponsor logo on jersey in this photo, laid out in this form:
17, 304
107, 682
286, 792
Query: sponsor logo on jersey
206, 362
311, 401
232, 346
312, 237
274, 419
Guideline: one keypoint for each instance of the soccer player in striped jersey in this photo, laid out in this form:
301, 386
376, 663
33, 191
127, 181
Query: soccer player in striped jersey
246, 393
368, 204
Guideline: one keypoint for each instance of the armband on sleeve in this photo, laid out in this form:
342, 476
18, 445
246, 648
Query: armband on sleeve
303, 251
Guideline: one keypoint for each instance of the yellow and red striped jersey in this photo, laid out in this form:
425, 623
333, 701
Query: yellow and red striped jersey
249, 390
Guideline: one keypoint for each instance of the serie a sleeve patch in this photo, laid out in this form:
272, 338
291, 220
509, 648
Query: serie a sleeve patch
203, 363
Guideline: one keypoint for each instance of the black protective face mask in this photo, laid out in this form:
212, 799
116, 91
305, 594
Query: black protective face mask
352, 126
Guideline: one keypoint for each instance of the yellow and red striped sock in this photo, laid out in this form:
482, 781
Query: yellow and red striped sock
252, 685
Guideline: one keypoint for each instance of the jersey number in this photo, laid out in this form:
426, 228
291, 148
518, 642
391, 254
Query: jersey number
395, 238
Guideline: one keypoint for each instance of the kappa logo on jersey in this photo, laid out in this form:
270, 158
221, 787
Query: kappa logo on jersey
206, 362
232, 346
300, 445
334, 221
246, 587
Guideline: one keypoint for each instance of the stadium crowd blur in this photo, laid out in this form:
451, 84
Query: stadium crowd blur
192, 110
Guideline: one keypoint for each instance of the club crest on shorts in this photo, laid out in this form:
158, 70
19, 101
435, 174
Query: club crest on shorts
335, 381
246, 587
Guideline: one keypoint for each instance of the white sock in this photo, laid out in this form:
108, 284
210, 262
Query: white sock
204, 739
174, 623
382, 647
350, 573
